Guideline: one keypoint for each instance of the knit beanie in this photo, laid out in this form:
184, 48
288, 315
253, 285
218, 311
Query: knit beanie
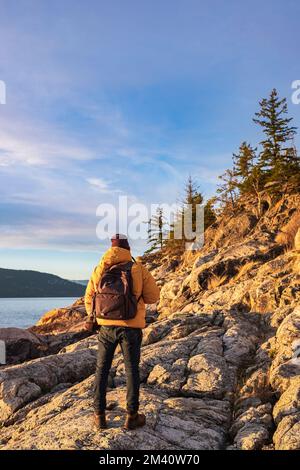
120, 240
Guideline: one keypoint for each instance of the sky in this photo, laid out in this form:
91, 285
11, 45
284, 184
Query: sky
125, 98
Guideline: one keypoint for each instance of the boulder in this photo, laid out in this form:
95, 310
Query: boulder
22, 345
287, 434
285, 368
62, 320
252, 428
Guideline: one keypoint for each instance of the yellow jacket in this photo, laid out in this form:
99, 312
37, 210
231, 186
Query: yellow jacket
144, 287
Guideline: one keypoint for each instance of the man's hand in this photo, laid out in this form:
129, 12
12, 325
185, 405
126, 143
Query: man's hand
89, 325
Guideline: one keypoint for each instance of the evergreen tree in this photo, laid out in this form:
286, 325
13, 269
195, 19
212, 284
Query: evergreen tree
176, 227
156, 230
277, 160
228, 190
192, 193
292, 167
192, 198
243, 165
209, 213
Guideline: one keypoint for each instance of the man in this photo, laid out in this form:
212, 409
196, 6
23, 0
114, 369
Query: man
116, 328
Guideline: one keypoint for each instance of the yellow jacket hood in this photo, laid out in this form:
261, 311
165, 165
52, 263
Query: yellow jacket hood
115, 255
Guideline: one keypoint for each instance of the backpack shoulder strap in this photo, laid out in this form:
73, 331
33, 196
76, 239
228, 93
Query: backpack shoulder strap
127, 265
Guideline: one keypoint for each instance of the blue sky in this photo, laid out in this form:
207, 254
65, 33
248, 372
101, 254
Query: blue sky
125, 97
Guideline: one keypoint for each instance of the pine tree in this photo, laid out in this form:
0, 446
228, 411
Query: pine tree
209, 213
176, 228
243, 165
192, 198
192, 193
276, 161
292, 166
228, 190
156, 230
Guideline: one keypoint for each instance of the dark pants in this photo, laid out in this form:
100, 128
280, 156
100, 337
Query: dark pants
130, 340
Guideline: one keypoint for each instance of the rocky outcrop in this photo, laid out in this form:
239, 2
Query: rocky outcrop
220, 358
187, 387
22, 345
256, 276
190, 370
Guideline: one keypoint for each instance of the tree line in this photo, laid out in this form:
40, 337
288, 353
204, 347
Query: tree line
272, 167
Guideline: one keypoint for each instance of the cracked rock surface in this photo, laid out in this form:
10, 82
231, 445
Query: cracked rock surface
220, 365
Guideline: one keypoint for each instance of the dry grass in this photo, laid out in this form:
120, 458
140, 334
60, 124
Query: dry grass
216, 281
189, 257
244, 269
282, 238
288, 236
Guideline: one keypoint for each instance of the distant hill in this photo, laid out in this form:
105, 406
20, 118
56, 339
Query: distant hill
23, 283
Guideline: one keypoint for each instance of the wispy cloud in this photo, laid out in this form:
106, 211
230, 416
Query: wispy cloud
106, 100
25, 145
99, 184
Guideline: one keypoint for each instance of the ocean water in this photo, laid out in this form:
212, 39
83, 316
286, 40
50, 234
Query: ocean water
25, 312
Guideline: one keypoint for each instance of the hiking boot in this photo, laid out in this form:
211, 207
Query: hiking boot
100, 421
134, 421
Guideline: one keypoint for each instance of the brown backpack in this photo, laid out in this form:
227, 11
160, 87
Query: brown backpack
114, 298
